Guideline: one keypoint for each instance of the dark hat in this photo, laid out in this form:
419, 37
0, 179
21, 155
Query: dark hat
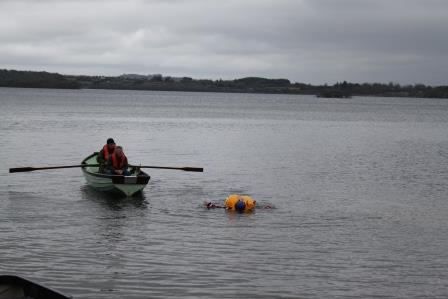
240, 205
110, 141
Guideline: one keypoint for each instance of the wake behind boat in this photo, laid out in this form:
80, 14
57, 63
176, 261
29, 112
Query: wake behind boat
127, 185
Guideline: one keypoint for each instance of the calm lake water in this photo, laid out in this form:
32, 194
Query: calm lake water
359, 188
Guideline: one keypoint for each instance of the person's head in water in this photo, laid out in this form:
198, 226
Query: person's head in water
110, 143
240, 206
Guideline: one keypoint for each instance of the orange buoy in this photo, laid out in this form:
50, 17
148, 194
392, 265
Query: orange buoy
237, 202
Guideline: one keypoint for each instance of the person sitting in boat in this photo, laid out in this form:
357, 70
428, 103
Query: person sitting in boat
118, 163
106, 152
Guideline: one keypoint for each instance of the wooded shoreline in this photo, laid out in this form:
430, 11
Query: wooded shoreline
31, 79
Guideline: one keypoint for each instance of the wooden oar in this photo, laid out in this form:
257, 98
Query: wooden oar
195, 169
26, 169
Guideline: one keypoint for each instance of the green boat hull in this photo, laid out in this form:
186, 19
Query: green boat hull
126, 185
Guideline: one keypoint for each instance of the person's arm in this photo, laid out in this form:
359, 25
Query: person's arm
100, 157
212, 205
125, 164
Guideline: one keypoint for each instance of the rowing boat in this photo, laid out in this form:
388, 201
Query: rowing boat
127, 185
16, 287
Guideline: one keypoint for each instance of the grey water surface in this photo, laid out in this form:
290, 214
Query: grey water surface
359, 188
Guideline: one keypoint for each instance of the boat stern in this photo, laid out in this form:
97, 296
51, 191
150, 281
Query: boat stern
130, 185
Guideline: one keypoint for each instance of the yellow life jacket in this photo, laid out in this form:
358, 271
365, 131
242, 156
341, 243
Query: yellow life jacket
234, 198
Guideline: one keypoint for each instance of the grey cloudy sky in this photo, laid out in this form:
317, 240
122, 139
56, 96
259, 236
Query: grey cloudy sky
312, 41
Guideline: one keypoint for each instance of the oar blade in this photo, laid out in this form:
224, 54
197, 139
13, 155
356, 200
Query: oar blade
194, 169
21, 169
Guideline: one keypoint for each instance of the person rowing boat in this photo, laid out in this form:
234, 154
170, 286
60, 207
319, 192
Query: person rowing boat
112, 159
105, 156
119, 162
107, 151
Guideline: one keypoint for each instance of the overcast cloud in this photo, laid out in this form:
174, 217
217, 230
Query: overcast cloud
312, 41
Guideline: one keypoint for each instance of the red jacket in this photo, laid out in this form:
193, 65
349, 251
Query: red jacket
106, 152
119, 163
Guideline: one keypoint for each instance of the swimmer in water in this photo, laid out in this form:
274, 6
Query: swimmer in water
236, 202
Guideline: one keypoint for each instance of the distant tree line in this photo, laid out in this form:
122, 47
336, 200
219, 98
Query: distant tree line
11, 78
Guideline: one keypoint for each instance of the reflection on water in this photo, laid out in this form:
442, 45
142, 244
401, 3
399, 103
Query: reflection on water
358, 185
114, 200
